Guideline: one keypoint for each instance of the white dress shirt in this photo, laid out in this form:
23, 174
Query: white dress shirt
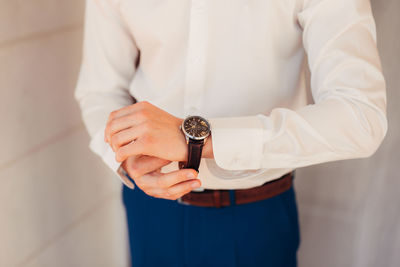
245, 66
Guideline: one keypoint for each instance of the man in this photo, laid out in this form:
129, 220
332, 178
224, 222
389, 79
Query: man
203, 105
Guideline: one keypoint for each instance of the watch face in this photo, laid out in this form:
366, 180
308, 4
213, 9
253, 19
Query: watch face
196, 127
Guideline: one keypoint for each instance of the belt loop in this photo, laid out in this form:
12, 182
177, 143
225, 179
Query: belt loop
232, 197
217, 198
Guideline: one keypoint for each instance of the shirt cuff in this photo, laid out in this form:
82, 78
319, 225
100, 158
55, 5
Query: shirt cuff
237, 142
103, 149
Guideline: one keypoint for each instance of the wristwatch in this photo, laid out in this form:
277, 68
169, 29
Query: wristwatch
196, 130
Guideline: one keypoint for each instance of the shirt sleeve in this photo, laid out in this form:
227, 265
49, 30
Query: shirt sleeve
348, 116
108, 65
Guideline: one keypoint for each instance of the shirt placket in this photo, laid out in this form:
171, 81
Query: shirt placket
195, 60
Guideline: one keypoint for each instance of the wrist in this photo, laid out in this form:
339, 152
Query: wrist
197, 133
207, 148
184, 146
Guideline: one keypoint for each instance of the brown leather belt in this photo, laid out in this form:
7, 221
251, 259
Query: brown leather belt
221, 198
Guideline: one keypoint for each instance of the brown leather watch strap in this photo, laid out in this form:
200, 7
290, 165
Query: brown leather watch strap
195, 148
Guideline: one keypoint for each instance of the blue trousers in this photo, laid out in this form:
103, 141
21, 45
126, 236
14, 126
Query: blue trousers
167, 233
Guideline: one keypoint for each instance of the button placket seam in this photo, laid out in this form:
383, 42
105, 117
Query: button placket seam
195, 62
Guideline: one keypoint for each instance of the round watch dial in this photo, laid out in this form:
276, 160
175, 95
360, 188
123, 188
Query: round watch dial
196, 127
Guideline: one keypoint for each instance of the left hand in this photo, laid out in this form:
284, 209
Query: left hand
154, 131
146, 172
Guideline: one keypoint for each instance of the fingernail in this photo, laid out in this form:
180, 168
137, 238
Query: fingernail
190, 175
195, 184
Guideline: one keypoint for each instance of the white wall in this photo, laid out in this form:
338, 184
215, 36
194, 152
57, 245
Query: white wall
60, 206
350, 210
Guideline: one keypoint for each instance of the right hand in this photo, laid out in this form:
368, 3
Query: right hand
146, 172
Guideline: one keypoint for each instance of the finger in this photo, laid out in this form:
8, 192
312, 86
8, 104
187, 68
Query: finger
161, 181
178, 190
143, 144
124, 137
148, 183
128, 110
166, 180
131, 149
131, 108
124, 122
117, 125
145, 164
115, 115
156, 184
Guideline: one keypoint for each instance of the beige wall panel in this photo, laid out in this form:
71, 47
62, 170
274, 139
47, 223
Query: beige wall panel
43, 195
22, 19
36, 101
90, 243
